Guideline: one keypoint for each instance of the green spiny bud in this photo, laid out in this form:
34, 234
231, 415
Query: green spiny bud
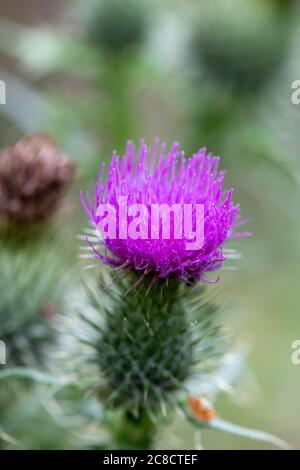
148, 342
32, 291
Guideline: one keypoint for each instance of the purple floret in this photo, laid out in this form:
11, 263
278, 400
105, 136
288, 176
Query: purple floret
155, 176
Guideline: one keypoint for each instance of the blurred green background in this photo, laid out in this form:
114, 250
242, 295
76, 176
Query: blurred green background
214, 73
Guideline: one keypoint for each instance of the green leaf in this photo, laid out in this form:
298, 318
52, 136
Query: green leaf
218, 424
23, 373
7, 439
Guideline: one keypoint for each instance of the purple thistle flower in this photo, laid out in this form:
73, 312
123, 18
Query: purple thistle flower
156, 177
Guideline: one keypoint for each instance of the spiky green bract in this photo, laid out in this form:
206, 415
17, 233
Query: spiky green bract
148, 343
146, 348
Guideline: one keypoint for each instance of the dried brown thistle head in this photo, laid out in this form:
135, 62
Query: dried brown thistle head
34, 176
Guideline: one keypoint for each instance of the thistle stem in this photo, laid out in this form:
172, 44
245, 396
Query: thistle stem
133, 432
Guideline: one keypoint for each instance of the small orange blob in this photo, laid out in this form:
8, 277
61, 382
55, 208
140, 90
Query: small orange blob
201, 408
49, 310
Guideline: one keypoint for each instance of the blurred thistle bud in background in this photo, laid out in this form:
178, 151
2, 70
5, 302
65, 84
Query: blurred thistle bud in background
242, 52
116, 26
32, 289
33, 179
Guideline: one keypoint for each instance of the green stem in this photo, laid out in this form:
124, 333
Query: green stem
131, 432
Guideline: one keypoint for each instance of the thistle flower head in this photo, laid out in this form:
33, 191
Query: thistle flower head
154, 178
33, 178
